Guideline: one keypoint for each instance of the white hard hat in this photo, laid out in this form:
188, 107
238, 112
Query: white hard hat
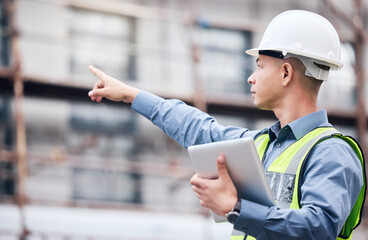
303, 35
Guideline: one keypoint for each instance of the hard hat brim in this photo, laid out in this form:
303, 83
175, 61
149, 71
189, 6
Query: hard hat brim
335, 65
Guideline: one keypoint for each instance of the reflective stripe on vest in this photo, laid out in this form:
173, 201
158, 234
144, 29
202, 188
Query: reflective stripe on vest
284, 173
238, 235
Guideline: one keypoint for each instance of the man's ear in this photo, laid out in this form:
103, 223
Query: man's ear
287, 73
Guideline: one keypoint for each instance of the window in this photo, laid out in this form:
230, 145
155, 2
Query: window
4, 39
226, 66
7, 142
103, 40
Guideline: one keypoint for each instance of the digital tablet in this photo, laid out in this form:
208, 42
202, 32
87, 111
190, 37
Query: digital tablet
243, 164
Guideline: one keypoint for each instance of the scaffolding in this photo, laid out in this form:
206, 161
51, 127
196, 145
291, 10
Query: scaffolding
13, 82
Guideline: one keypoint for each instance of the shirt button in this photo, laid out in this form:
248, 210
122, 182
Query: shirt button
278, 145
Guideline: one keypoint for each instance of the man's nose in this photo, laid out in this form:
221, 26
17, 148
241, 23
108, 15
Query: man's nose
251, 78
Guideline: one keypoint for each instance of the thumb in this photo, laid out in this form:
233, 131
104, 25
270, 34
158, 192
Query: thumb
221, 167
98, 92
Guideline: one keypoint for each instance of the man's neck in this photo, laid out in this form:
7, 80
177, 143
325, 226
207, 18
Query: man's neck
294, 110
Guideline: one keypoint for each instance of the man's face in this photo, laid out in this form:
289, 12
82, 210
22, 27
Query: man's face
266, 82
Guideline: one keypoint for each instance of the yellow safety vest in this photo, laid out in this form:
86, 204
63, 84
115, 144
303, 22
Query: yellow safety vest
288, 166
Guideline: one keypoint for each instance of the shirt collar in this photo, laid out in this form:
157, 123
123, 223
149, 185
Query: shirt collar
305, 124
302, 125
274, 131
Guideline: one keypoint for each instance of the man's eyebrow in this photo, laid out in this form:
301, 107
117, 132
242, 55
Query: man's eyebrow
257, 60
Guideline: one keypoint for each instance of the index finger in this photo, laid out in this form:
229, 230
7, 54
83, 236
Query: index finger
100, 74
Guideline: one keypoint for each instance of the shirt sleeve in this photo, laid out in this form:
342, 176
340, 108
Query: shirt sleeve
332, 181
185, 124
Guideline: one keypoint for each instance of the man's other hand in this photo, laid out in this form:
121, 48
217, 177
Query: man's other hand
219, 195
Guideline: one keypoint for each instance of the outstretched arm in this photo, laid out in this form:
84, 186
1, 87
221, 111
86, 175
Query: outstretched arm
111, 88
186, 124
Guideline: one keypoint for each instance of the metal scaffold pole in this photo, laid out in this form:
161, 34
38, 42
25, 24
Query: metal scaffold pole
199, 98
21, 145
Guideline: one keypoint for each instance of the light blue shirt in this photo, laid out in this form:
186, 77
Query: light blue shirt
331, 181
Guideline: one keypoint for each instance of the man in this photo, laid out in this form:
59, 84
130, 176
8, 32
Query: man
316, 174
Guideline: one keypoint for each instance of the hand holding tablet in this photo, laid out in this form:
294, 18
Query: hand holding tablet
244, 167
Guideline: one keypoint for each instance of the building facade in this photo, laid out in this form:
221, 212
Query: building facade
84, 154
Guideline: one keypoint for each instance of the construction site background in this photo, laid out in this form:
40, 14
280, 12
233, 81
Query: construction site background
72, 169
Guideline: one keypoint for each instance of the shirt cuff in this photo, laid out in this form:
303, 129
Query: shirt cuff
144, 103
251, 218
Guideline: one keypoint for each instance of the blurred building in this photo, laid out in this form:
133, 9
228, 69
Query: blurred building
83, 160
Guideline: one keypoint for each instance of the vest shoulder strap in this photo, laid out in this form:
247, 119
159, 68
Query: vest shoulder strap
261, 143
